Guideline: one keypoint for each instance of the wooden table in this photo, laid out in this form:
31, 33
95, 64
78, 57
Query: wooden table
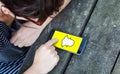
96, 20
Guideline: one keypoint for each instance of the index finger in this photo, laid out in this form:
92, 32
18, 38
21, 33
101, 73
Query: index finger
51, 42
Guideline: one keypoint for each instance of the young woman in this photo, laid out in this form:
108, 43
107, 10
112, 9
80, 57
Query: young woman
37, 13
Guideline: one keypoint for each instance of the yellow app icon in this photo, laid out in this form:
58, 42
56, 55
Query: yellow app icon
68, 42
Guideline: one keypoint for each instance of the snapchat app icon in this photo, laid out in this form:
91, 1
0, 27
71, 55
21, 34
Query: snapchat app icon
67, 41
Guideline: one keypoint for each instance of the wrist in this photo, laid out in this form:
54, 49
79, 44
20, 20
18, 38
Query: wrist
35, 69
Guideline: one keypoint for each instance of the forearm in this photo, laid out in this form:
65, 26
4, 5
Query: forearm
31, 70
34, 70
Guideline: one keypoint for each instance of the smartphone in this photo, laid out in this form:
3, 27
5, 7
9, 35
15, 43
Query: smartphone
68, 42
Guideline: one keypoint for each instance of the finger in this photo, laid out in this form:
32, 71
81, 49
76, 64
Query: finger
55, 53
26, 44
20, 45
58, 58
17, 43
13, 39
52, 49
51, 42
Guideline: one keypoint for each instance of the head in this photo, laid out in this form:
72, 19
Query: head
40, 9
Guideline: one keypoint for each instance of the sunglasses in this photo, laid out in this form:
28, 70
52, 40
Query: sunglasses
38, 22
24, 18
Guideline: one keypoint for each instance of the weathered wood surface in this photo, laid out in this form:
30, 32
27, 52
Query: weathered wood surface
103, 34
116, 69
71, 20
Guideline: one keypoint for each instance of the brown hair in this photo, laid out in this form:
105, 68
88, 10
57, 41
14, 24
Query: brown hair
33, 8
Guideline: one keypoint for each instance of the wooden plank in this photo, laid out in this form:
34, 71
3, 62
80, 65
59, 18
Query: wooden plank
103, 34
71, 20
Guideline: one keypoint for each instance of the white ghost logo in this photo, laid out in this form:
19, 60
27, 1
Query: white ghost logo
67, 41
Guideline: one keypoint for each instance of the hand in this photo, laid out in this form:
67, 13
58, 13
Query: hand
26, 35
45, 59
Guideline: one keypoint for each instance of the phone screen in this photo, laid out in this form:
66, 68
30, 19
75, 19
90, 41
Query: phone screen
68, 42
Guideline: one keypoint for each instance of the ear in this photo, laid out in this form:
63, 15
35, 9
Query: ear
6, 11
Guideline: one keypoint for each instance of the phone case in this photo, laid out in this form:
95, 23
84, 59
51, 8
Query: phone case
68, 42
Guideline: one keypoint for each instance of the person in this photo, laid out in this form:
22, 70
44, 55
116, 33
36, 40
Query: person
37, 14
